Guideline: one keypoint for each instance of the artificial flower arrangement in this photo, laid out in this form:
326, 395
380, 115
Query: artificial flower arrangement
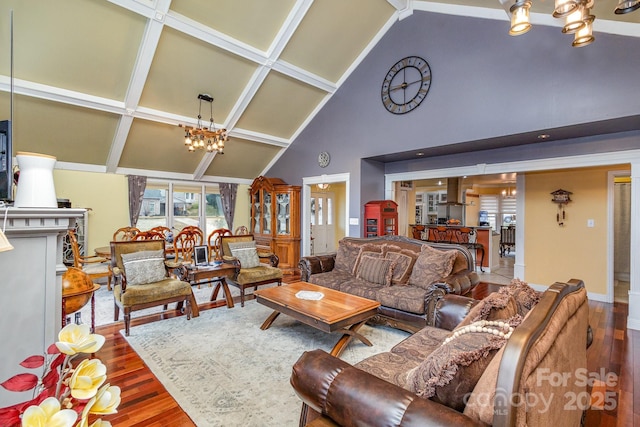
64, 393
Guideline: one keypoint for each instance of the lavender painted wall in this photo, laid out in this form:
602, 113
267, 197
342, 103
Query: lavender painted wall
485, 84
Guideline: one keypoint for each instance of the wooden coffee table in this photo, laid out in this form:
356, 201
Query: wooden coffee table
335, 312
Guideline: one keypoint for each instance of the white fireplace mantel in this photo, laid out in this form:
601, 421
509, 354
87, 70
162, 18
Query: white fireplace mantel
31, 286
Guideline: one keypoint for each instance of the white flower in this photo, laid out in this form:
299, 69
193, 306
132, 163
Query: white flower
86, 378
78, 339
48, 414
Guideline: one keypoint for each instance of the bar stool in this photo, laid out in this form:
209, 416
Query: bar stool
466, 236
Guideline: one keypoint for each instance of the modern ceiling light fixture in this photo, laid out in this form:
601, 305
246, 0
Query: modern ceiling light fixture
564, 7
520, 17
626, 6
200, 137
577, 15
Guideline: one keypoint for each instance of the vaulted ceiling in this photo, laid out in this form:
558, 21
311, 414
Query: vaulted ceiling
103, 85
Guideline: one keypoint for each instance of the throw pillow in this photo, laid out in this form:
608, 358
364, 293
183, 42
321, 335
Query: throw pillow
374, 250
432, 265
375, 270
450, 373
347, 256
525, 296
246, 253
495, 306
405, 260
144, 267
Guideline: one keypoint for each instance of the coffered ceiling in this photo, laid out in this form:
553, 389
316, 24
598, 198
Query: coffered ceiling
103, 85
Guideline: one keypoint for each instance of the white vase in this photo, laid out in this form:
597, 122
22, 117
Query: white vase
35, 185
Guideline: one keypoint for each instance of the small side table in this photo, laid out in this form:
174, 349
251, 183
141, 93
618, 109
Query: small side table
210, 273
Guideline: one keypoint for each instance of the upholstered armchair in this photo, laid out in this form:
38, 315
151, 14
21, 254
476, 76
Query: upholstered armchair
256, 267
143, 279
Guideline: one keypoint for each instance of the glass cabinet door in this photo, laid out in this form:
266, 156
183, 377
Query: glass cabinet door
257, 212
283, 221
266, 209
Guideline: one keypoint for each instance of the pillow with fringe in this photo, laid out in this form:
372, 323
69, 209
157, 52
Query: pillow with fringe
450, 373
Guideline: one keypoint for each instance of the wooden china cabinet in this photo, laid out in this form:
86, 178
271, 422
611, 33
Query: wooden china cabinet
275, 220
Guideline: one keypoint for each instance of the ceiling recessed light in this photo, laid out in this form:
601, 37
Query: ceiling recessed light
543, 136
419, 153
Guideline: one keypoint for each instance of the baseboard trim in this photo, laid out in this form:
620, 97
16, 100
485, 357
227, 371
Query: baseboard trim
633, 324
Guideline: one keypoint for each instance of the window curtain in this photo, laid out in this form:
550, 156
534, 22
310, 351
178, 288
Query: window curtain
137, 184
228, 196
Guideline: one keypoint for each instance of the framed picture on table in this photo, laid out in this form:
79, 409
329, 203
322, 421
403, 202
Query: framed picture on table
201, 255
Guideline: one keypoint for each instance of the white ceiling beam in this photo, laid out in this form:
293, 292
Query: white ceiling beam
404, 8
290, 25
304, 76
201, 32
246, 96
65, 96
144, 59
204, 165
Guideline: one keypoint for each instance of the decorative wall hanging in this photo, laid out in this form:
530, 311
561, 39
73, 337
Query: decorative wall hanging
561, 197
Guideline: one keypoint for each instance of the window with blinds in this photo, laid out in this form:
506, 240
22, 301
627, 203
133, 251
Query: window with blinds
490, 203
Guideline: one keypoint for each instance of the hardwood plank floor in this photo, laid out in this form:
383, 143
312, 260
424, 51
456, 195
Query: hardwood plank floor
145, 402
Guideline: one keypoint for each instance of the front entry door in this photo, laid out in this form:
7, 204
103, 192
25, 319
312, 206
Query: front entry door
322, 223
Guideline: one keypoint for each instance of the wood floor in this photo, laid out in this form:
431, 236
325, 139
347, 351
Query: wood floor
145, 402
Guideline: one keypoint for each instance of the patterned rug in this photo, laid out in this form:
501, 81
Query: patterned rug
224, 371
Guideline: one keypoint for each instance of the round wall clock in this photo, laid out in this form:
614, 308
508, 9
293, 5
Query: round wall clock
323, 159
406, 85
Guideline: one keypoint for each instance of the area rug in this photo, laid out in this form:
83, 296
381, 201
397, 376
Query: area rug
224, 371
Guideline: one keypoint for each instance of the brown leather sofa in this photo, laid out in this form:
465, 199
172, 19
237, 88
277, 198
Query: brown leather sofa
549, 343
407, 306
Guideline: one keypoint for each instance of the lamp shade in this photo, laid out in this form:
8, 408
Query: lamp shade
4, 243
584, 35
626, 6
520, 17
575, 21
564, 7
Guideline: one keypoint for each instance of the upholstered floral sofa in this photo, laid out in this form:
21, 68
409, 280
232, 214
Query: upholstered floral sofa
406, 276
498, 366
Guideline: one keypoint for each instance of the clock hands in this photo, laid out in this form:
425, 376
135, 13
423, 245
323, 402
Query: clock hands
403, 85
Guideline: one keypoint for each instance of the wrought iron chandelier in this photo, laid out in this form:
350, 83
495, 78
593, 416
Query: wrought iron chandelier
199, 137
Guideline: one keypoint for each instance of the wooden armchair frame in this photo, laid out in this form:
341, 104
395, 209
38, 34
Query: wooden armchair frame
90, 264
250, 277
130, 298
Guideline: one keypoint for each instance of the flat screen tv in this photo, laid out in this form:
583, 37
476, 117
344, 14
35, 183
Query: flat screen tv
6, 156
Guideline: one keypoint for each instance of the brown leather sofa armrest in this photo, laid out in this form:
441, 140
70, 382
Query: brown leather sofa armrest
450, 310
315, 264
351, 397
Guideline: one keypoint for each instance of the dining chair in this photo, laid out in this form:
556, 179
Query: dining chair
165, 231
241, 230
185, 242
125, 234
144, 280
96, 267
213, 241
149, 235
